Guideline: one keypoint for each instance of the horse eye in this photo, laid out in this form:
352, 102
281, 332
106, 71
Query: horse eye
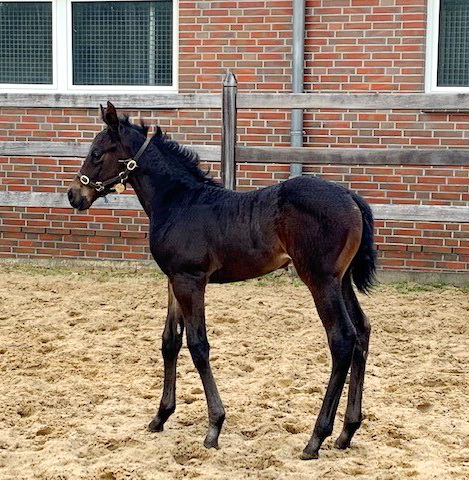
95, 157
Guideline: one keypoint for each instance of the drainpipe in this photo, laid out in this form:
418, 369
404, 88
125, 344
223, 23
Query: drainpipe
296, 128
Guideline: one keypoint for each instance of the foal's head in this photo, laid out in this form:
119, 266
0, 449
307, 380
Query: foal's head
108, 163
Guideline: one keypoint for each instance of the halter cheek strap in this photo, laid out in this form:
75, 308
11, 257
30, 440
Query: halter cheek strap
130, 165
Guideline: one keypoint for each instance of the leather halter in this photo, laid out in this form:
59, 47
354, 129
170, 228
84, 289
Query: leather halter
130, 165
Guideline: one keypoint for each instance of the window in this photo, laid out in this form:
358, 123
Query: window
448, 46
85, 46
26, 43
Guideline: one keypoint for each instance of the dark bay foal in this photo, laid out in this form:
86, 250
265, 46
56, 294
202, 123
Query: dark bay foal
202, 233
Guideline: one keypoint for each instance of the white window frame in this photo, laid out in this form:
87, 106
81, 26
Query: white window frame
62, 67
431, 69
47, 88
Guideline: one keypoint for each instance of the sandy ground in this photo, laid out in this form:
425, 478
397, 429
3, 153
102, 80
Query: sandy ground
81, 376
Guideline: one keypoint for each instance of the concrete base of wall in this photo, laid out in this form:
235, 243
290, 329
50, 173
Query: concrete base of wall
434, 278
83, 265
384, 276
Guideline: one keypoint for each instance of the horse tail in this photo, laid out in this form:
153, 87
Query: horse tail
363, 266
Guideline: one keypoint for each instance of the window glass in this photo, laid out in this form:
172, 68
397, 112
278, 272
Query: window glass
122, 43
453, 44
26, 43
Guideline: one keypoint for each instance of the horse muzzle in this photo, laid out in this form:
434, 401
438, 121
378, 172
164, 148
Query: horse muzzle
80, 196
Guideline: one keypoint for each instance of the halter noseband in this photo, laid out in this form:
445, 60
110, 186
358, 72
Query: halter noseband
130, 165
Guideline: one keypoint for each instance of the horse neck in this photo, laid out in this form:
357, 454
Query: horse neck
144, 190
155, 184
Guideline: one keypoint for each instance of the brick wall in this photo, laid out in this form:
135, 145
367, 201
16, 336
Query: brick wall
36, 232
251, 38
350, 46
375, 45
423, 246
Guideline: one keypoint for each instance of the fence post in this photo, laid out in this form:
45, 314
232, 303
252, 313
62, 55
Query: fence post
228, 135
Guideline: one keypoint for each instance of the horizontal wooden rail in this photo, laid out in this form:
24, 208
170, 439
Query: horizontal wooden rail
44, 149
129, 101
210, 153
358, 101
353, 156
430, 213
306, 155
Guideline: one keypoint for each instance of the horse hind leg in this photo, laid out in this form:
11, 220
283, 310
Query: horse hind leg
353, 415
324, 279
341, 337
171, 345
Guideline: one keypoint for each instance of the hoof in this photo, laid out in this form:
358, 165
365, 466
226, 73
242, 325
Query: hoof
342, 442
155, 426
211, 439
211, 444
309, 456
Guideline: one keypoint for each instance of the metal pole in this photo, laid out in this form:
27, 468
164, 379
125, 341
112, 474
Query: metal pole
151, 45
228, 136
296, 129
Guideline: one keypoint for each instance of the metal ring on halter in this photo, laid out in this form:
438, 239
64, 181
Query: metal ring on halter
99, 186
84, 179
131, 165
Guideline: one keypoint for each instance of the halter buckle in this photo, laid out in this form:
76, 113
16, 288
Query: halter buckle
131, 165
84, 179
99, 186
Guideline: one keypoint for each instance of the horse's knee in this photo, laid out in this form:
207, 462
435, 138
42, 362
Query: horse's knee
199, 350
170, 346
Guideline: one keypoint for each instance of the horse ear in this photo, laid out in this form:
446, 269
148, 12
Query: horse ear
109, 115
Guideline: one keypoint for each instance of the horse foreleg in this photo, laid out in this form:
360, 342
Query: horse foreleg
341, 337
353, 414
171, 345
189, 291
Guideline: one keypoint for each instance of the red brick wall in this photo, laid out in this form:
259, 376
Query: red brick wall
36, 232
423, 246
350, 46
253, 39
356, 45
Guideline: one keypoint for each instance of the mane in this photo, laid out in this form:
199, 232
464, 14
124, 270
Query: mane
142, 128
182, 157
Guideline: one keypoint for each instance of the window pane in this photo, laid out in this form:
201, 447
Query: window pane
26, 42
122, 43
453, 45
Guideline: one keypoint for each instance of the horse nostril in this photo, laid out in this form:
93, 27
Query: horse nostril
73, 198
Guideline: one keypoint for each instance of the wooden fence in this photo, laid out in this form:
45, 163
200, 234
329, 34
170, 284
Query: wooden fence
230, 153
